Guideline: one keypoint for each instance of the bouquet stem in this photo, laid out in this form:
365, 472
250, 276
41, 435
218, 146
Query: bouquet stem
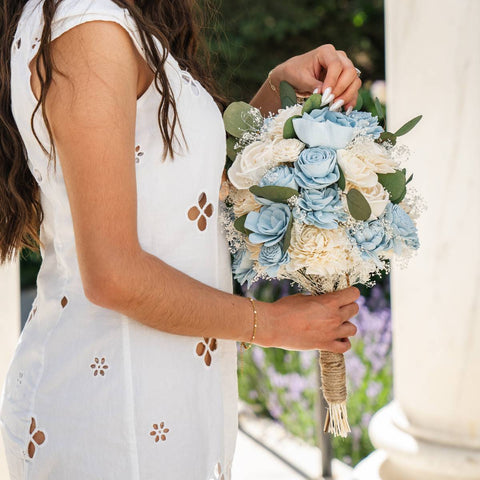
335, 392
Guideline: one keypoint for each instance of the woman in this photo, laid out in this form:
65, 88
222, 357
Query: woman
126, 368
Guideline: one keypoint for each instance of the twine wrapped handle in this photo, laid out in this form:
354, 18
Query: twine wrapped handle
334, 388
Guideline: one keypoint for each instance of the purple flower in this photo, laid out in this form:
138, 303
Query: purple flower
374, 388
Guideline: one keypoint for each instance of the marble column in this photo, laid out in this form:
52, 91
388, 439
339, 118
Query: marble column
432, 429
9, 329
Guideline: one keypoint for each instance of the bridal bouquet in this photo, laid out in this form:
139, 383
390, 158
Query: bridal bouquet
320, 198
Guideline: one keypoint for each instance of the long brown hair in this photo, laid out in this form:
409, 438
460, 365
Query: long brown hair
176, 24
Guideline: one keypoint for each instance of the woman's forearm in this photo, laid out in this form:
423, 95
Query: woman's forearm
154, 293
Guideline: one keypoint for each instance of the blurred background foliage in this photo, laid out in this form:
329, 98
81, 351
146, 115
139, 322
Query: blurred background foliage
250, 37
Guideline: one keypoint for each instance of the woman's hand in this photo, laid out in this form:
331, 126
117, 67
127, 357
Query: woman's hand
309, 322
326, 69
323, 70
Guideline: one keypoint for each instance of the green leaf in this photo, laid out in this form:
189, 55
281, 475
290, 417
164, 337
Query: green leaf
401, 197
239, 118
313, 101
239, 224
357, 205
394, 183
288, 130
288, 234
379, 109
274, 193
409, 179
388, 137
288, 97
408, 126
341, 180
231, 152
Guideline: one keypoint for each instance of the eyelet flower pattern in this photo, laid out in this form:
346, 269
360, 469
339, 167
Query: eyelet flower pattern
19, 43
99, 367
206, 348
35, 42
32, 313
219, 473
159, 432
138, 153
37, 437
64, 302
201, 213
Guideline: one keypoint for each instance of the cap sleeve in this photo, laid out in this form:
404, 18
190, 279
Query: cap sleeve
71, 13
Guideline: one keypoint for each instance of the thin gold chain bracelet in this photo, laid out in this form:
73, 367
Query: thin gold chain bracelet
243, 345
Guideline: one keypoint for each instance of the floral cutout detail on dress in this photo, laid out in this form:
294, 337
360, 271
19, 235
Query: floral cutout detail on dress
37, 437
19, 43
35, 42
138, 153
32, 313
64, 301
205, 348
99, 367
202, 212
159, 431
219, 473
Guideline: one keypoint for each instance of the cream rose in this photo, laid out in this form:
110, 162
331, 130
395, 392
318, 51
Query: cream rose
251, 164
356, 171
322, 252
244, 202
286, 150
377, 197
277, 123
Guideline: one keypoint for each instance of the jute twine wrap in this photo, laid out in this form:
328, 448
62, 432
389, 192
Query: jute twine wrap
335, 392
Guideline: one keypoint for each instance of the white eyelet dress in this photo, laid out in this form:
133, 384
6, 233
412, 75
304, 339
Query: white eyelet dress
93, 394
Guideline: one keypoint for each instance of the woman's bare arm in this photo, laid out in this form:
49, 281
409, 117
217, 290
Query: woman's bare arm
92, 113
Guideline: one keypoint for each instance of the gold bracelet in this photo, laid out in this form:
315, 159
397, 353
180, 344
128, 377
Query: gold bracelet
243, 345
272, 86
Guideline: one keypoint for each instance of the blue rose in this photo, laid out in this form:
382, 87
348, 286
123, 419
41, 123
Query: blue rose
402, 226
272, 257
242, 267
365, 122
316, 167
269, 224
372, 239
321, 127
322, 208
281, 176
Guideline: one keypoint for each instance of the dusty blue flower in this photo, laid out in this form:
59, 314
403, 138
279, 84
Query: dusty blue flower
281, 176
317, 167
272, 257
365, 122
403, 228
269, 224
322, 208
242, 267
321, 127
371, 239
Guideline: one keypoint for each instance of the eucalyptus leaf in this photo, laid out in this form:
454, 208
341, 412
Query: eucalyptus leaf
394, 183
274, 193
241, 117
231, 152
288, 130
288, 97
239, 224
408, 126
401, 197
379, 109
288, 234
388, 137
312, 102
357, 205
341, 180
359, 103
409, 179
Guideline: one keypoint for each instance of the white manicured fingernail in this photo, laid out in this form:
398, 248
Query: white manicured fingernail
326, 99
327, 91
337, 105
316, 90
349, 110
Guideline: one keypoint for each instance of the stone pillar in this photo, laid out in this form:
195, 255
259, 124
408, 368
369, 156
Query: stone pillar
9, 330
432, 429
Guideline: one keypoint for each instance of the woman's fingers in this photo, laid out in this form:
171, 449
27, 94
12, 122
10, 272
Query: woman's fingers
347, 329
340, 346
348, 311
350, 95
